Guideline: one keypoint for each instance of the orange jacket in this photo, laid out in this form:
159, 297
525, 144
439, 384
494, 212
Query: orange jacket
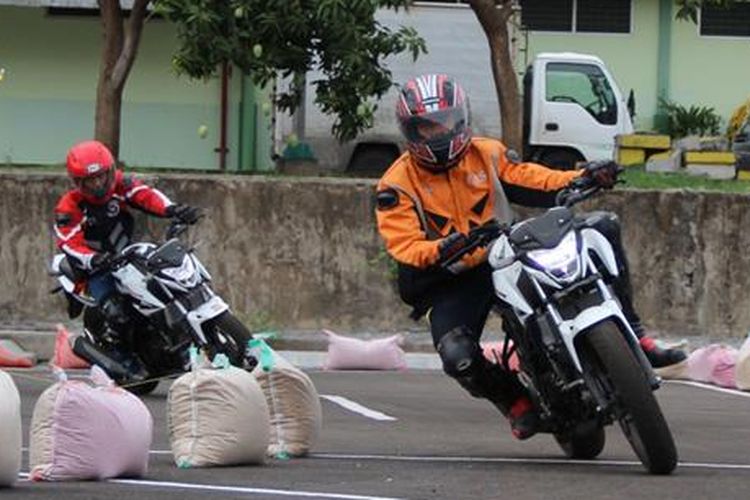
416, 208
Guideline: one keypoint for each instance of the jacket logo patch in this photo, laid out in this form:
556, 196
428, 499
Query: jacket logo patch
113, 208
512, 156
62, 220
386, 199
476, 179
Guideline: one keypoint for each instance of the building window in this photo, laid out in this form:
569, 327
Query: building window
726, 21
577, 16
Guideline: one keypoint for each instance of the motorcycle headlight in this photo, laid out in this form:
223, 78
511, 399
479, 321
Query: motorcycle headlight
560, 262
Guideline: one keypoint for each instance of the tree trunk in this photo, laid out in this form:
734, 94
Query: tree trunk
494, 21
118, 54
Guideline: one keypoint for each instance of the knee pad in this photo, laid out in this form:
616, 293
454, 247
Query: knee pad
459, 352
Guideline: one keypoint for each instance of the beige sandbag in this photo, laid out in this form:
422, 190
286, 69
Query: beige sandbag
293, 402
10, 431
743, 366
217, 417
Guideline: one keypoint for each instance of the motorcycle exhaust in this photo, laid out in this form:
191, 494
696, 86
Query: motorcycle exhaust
89, 351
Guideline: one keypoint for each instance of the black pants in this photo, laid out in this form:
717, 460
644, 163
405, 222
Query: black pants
459, 306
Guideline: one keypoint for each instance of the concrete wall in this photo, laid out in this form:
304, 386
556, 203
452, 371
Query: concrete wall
304, 253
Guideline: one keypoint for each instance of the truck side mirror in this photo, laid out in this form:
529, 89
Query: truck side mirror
631, 104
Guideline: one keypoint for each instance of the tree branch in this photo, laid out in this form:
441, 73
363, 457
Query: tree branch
111, 19
129, 48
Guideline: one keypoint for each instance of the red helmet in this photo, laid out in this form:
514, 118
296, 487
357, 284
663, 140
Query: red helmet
92, 168
433, 113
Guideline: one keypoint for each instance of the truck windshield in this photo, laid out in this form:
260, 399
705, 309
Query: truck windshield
585, 85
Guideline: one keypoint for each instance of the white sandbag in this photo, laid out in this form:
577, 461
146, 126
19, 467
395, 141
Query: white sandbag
293, 402
217, 417
743, 366
10, 431
84, 431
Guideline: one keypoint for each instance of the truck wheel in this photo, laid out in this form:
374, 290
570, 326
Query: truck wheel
559, 159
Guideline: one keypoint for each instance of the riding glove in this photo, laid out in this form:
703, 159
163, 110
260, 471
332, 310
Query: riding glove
603, 172
184, 213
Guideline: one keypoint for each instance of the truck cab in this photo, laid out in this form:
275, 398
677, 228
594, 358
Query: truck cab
573, 109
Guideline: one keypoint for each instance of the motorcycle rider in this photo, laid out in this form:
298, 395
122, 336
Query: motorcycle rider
447, 183
93, 222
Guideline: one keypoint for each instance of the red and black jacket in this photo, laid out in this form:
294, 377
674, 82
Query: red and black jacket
83, 228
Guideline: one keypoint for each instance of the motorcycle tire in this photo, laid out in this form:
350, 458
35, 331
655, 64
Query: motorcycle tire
584, 442
235, 334
640, 418
144, 388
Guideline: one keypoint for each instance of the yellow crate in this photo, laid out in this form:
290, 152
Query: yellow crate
743, 175
710, 157
661, 156
645, 141
630, 156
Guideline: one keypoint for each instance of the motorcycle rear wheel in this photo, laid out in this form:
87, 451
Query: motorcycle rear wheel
585, 442
640, 417
143, 389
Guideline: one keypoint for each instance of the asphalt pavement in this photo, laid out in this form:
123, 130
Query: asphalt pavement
417, 435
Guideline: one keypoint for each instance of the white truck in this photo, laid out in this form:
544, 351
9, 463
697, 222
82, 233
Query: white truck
573, 108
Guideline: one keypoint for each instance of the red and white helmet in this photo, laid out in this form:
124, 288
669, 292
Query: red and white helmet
92, 168
434, 116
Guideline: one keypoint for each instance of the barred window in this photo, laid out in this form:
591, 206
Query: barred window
577, 16
725, 21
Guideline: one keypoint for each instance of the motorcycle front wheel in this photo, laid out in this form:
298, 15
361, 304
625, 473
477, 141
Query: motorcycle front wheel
229, 336
638, 412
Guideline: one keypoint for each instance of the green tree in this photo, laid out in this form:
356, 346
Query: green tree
688, 9
339, 39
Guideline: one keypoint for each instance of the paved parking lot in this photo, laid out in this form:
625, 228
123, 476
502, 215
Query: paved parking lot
417, 435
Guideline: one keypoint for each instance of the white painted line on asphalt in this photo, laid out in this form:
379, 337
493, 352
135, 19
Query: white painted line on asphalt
357, 408
550, 461
733, 392
237, 489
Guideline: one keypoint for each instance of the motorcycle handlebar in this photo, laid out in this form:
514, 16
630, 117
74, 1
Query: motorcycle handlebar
175, 229
480, 236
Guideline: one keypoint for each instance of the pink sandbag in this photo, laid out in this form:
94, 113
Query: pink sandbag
347, 353
714, 364
742, 370
80, 431
493, 351
64, 356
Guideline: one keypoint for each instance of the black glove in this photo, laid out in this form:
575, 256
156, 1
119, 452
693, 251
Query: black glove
603, 172
184, 213
101, 260
451, 244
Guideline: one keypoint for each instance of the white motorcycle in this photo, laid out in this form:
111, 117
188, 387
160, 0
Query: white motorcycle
167, 305
579, 357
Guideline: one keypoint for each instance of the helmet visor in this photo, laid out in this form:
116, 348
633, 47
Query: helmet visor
438, 124
97, 185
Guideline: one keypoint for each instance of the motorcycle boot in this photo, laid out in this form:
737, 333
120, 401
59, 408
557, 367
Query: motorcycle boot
659, 357
463, 361
524, 420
